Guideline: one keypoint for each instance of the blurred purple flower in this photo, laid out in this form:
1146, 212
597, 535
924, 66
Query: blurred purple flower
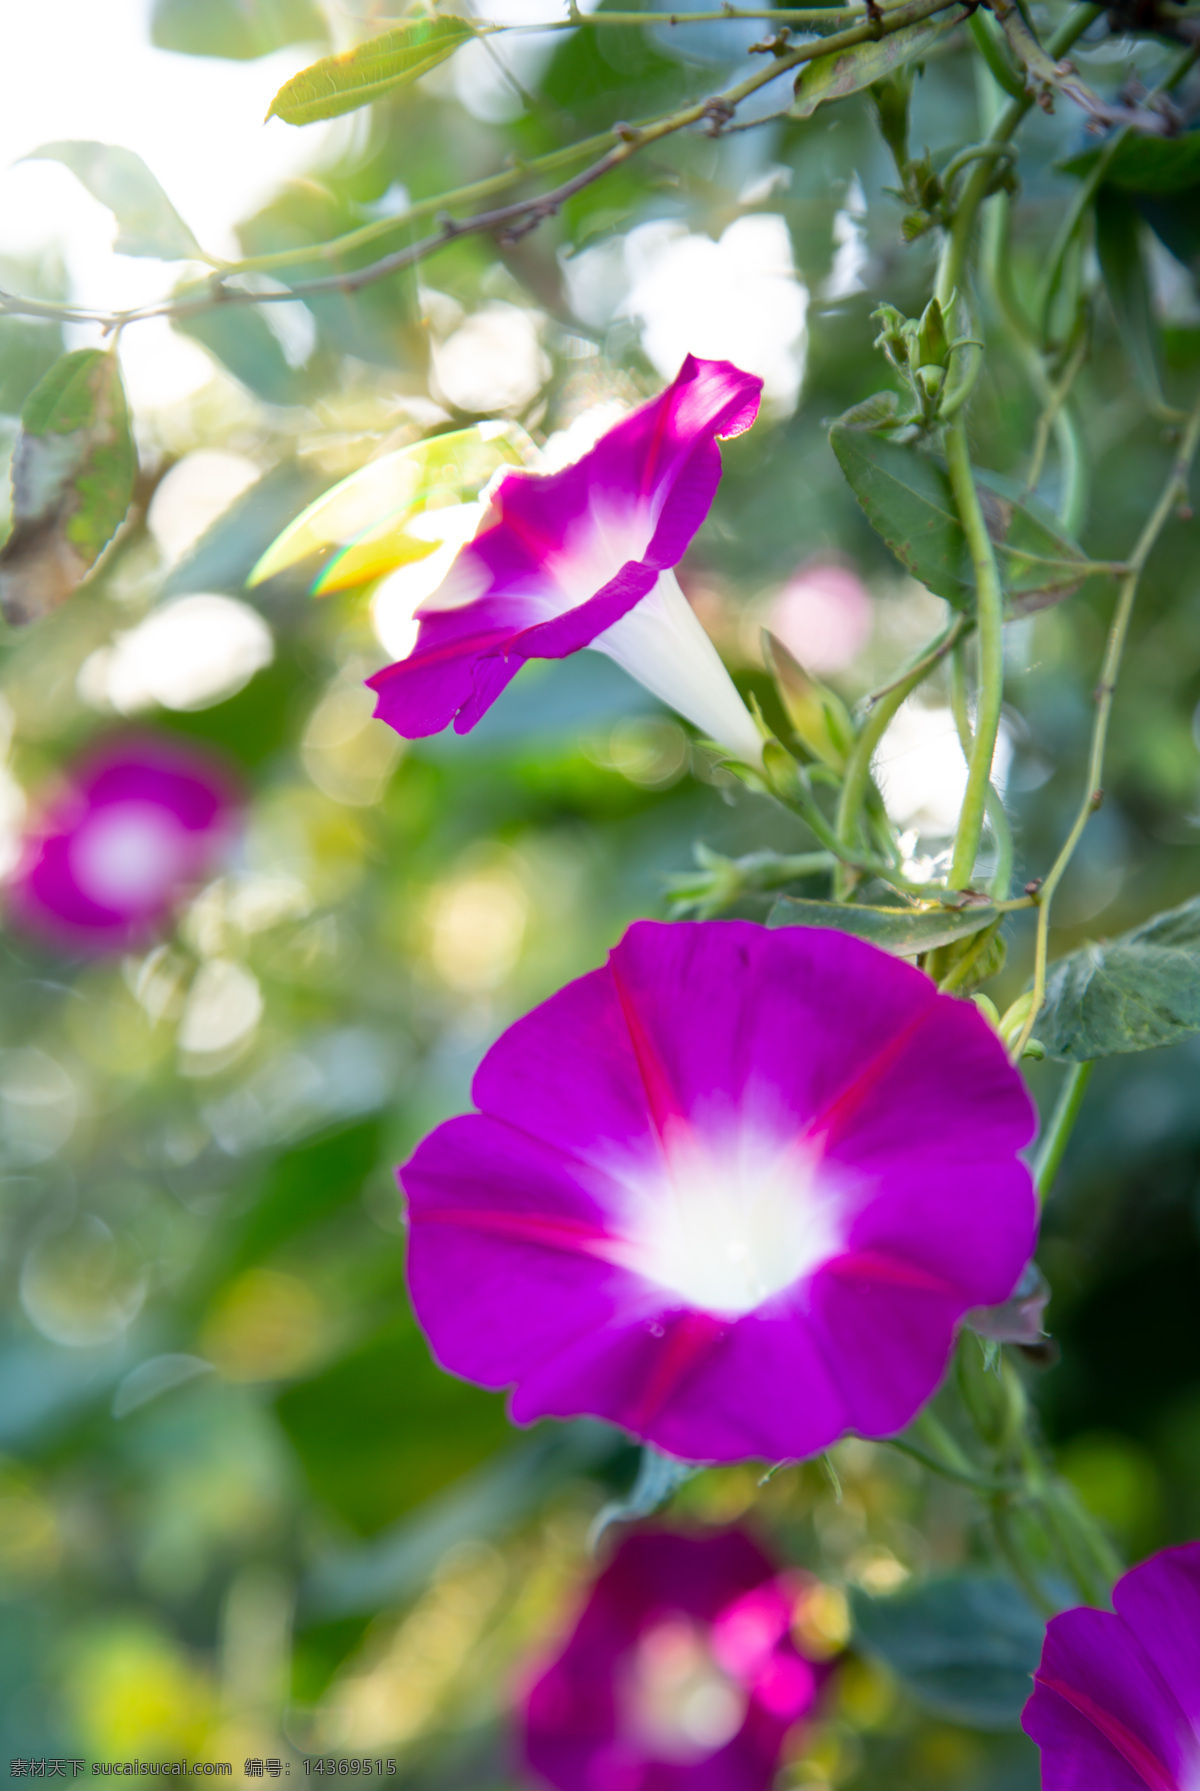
112, 854
680, 1675
823, 616
583, 558
733, 1191
1116, 1704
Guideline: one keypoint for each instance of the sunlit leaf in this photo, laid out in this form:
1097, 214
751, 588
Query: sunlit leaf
833, 77
236, 29
72, 479
147, 222
361, 528
1132, 994
965, 1646
371, 71
241, 338
906, 495
903, 931
28, 350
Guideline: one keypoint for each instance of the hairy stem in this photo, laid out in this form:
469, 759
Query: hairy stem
997, 814
857, 780
958, 240
989, 612
1053, 1144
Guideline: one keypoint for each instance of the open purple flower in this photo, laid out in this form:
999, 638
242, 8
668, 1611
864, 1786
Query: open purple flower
680, 1674
583, 558
112, 854
734, 1192
1116, 1704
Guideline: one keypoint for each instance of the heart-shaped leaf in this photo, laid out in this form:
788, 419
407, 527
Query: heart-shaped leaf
1144, 164
1127, 281
906, 495
966, 1646
1131, 994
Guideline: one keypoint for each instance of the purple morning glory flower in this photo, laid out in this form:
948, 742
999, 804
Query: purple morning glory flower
583, 558
734, 1192
680, 1674
112, 854
1116, 1704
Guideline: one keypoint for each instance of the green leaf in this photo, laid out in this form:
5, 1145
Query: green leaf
1146, 164
72, 478
241, 338
907, 499
381, 66
383, 1429
903, 931
1137, 992
966, 1646
28, 350
1119, 247
482, 1505
658, 1478
833, 77
1175, 221
239, 30
147, 222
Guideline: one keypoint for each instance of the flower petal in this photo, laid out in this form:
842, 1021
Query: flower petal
1160, 1602
1103, 1715
571, 553
722, 1192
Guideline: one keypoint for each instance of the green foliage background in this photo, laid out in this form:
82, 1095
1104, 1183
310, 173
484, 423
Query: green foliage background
242, 1513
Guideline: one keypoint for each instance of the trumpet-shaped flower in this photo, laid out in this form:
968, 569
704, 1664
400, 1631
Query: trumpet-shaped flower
1116, 1702
583, 558
680, 1674
734, 1191
110, 857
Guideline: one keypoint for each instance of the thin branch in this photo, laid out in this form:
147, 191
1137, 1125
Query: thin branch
1174, 495
514, 220
1045, 73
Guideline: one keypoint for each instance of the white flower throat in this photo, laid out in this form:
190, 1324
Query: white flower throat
729, 1227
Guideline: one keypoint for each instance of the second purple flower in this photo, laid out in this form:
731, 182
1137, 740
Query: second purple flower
734, 1191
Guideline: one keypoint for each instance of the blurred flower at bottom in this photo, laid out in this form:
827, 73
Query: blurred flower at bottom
681, 1674
111, 855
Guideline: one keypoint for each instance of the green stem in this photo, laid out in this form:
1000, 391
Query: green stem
857, 780
1056, 1137
1013, 1554
989, 612
997, 814
958, 239
1173, 493
963, 1476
